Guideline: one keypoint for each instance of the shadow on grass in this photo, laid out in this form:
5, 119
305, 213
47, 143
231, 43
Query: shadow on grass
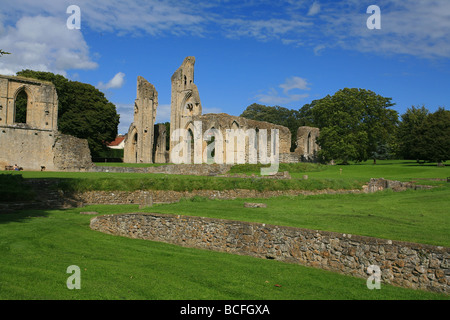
22, 215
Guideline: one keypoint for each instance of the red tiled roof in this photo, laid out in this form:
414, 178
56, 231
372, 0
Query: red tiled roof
116, 142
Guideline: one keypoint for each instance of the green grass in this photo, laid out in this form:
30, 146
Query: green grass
36, 247
401, 170
413, 216
87, 181
319, 177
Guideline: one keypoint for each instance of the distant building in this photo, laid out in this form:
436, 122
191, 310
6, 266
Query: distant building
118, 143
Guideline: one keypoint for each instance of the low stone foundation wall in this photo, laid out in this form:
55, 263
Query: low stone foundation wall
182, 169
169, 196
402, 264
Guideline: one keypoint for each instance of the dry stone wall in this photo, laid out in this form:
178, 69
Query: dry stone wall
170, 196
402, 264
182, 169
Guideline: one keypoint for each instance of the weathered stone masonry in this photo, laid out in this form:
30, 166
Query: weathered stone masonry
402, 264
36, 144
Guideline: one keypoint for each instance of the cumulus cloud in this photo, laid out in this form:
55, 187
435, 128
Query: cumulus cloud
34, 30
43, 44
275, 99
152, 17
294, 83
115, 83
273, 96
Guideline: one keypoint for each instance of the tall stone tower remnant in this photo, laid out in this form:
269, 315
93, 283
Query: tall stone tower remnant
185, 99
139, 140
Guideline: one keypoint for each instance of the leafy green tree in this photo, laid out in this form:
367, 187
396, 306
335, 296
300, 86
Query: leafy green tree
277, 115
305, 114
353, 124
433, 137
83, 110
407, 134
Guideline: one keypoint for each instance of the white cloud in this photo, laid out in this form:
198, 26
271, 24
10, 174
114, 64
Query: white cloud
152, 17
273, 97
115, 83
294, 83
43, 44
416, 27
265, 29
314, 9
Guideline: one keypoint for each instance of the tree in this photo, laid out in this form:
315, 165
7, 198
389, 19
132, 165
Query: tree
306, 115
408, 134
277, 115
433, 137
353, 124
83, 111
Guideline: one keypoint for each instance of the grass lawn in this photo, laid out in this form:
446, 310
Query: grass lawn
319, 177
37, 247
415, 216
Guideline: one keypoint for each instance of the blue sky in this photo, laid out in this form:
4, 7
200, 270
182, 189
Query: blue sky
284, 53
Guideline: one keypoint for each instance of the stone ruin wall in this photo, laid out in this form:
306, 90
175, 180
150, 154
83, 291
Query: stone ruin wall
403, 264
307, 146
143, 145
139, 140
71, 153
36, 144
223, 121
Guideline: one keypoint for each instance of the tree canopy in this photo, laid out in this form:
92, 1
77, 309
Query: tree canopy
277, 115
354, 124
408, 134
432, 140
83, 110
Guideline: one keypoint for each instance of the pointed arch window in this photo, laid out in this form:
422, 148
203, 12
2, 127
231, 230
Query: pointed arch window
21, 107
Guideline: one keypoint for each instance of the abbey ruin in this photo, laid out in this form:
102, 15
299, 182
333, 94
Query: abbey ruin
30, 137
142, 145
32, 141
